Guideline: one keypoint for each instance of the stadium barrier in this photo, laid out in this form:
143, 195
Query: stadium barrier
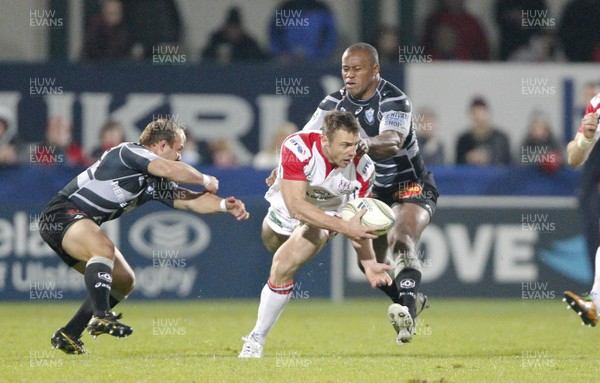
497, 232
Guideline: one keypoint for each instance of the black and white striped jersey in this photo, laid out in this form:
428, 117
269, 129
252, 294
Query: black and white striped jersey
388, 109
118, 182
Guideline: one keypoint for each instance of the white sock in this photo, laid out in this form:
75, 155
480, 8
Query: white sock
272, 301
595, 293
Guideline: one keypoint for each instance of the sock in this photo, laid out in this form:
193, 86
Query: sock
272, 301
98, 280
595, 293
82, 317
408, 281
391, 291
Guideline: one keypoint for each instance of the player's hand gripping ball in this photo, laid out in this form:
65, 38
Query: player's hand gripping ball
378, 214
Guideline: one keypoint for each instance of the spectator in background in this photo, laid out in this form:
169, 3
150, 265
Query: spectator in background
111, 134
579, 32
483, 143
541, 47
231, 43
267, 159
303, 30
430, 146
106, 36
388, 44
59, 148
514, 32
452, 33
152, 23
539, 147
222, 154
190, 153
8, 146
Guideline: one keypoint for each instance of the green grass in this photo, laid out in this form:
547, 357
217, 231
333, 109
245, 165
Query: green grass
314, 341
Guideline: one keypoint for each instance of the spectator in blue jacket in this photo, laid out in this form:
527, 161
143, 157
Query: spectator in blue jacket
303, 30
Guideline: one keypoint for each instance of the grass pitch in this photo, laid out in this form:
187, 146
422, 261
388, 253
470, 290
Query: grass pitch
314, 341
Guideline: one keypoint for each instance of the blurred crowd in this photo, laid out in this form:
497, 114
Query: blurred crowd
481, 143
307, 31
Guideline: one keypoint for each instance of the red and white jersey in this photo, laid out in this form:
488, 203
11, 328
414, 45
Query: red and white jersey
593, 107
329, 187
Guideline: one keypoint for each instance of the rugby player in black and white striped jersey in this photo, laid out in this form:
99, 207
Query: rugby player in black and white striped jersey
125, 177
402, 180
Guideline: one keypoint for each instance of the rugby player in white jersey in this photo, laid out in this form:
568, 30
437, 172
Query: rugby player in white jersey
125, 177
402, 180
318, 173
583, 150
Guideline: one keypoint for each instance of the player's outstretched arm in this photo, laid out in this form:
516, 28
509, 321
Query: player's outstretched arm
178, 171
294, 192
206, 203
580, 147
375, 272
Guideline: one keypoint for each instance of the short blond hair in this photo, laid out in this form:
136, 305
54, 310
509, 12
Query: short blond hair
161, 129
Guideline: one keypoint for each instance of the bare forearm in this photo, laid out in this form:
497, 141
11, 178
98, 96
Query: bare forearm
186, 174
202, 203
312, 215
385, 145
577, 154
364, 250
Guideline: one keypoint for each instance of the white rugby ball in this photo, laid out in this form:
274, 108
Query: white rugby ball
378, 213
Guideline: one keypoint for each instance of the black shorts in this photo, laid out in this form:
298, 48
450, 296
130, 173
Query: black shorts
56, 218
421, 193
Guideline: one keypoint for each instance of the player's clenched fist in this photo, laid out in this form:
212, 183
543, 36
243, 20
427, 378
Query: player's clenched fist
236, 208
589, 124
211, 183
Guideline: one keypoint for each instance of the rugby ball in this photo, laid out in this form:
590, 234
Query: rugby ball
378, 213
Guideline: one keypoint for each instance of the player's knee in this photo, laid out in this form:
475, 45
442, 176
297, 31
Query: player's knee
128, 283
400, 243
283, 268
105, 248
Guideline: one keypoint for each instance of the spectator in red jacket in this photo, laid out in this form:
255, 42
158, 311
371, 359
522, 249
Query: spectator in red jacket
106, 36
452, 33
59, 148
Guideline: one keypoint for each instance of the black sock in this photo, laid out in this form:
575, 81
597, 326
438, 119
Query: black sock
391, 291
82, 317
408, 281
98, 280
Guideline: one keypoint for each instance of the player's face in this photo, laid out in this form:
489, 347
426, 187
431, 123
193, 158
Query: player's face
341, 149
171, 152
360, 74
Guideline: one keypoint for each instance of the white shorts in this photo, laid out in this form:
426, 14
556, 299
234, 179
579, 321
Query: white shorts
282, 223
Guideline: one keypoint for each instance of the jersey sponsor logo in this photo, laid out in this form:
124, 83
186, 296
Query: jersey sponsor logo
346, 187
319, 195
298, 147
408, 190
369, 116
397, 119
407, 283
366, 168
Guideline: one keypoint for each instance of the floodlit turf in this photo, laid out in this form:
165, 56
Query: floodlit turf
314, 341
